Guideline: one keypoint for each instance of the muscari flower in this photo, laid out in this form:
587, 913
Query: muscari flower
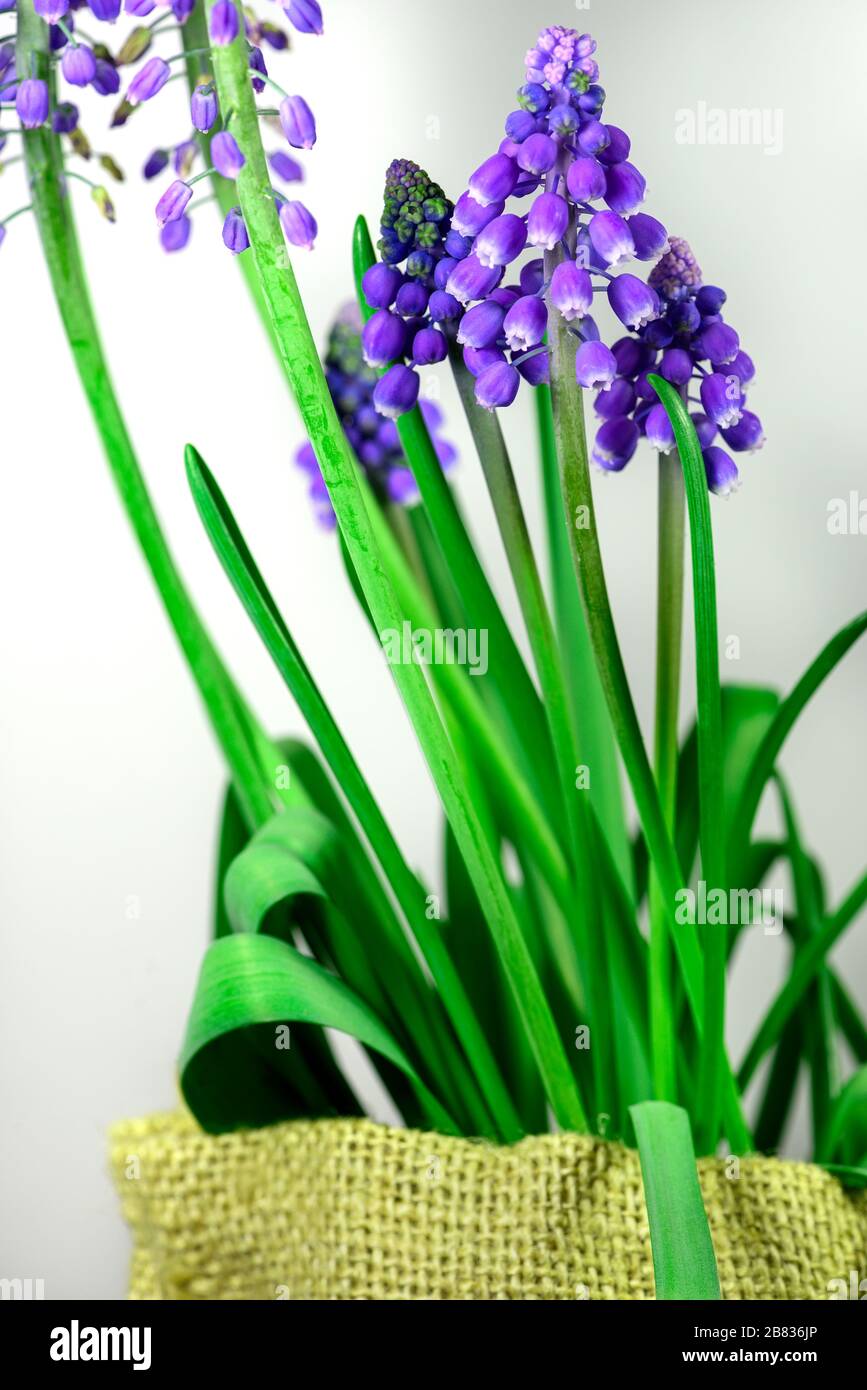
304, 15
689, 344
373, 438
31, 102
299, 225
584, 198
224, 23
226, 155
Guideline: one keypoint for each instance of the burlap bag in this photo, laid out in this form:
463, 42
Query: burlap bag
347, 1209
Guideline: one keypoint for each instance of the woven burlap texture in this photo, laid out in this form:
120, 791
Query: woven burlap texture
349, 1209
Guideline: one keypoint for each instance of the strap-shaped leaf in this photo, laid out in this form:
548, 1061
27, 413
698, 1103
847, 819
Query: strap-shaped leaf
684, 1263
236, 1070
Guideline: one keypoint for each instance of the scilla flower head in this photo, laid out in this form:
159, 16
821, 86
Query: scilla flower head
352, 383
560, 184
692, 347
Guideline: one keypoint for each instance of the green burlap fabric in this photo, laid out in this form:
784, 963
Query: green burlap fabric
346, 1209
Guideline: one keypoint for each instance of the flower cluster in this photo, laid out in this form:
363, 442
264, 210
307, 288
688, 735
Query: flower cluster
689, 345
375, 441
223, 156
586, 196
31, 101
412, 311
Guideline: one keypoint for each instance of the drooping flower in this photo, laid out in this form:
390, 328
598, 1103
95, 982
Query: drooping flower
224, 23
689, 345
226, 155
31, 102
373, 438
299, 225
235, 232
304, 15
298, 122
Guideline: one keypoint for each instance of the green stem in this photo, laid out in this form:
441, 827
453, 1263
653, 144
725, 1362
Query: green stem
304, 373
57, 233
669, 628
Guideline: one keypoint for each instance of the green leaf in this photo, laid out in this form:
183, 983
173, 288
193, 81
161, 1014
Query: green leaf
684, 1263
234, 1071
845, 1140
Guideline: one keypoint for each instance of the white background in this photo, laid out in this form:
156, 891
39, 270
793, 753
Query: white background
111, 782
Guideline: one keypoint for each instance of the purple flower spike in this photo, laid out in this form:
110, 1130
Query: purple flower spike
396, 392
525, 323
634, 303
305, 15
203, 107
78, 64
51, 10
676, 366
719, 344
383, 338
285, 167
538, 154
494, 180
649, 236
571, 290
226, 155
616, 442
224, 30
106, 10
594, 365
481, 326
148, 80
429, 346
471, 217
299, 224
298, 123
501, 241
747, 435
721, 398
624, 188
471, 280
235, 232
721, 471
657, 428
611, 238
497, 385
547, 221
175, 235
173, 202
31, 102
585, 180
380, 285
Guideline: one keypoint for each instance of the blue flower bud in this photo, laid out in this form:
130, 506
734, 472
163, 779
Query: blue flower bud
618, 146
676, 366
592, 101
477, 359
380, 285
649, 236
396, 392
412, 299
538, 154
285, 167
525, 324
235, 232
106, 81
470, 280
31, 102
257, 66
442, 271
481, 326
710, 299
519, 125
611, 238
547, 221
226, 155
721, 471
533, 97
305, 15
155, 163
497, 385
298, 123
457, 246
571, 290
203, 106
173, 202
721, 398
148, 80
747, 435
383, 338
501, 241
563, 120
629, 356
743, 368
494, 180
585, 180
616, 399
682, 315
64, 118
443, 307
616, 442
470, 216
704, 428
532, 276
634, 303
224, 30
535, 369
625, 188
594, 365
299, 224
719, 344
658, 334
175, 235
428, 347
658, 430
